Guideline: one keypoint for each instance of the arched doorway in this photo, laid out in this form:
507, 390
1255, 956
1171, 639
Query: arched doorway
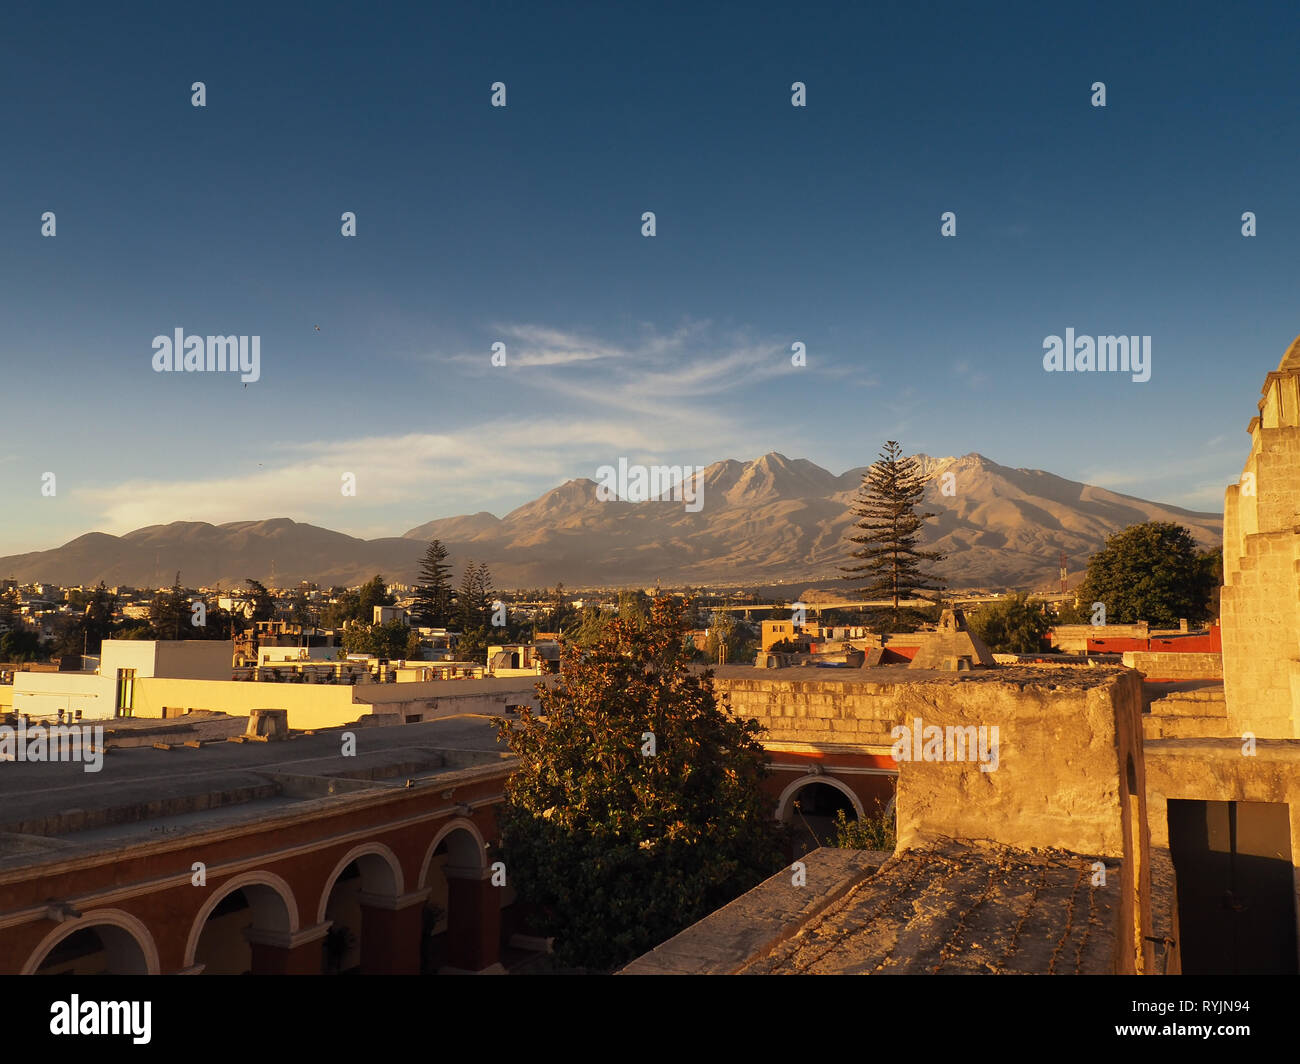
810, 807
366, 873
463, 911
219, 939
104, 943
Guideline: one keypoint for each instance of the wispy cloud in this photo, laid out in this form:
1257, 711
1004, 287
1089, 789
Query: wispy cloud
422, 475
661, 396
969, 376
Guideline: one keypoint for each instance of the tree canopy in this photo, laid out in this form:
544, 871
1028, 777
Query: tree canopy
263, 603
1151, 572
636, 808
390, 640
1016, 624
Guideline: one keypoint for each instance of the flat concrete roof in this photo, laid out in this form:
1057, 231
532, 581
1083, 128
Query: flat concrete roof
142, 792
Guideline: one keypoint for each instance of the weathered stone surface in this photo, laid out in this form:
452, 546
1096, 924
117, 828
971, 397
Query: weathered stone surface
959, 908
954, 908
755, 923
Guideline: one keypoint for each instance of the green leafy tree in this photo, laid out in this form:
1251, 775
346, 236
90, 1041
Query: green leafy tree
591, 627
1073, 613
889, 531
1212, 574
1016, 624
18, 645
389, 640
169, 612
94, 625
1150, 572
433, 597
217, 623
346, 606
263, 603
561, 617
634, 607
619, 848
302, 611
374, 592
724, 633
473, 645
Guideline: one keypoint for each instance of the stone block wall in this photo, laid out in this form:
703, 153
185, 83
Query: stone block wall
1167, 665
1261, 566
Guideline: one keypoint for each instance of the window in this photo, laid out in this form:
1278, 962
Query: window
125, 701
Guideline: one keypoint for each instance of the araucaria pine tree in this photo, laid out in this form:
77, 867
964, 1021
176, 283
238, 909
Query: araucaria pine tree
889, 531
433, 596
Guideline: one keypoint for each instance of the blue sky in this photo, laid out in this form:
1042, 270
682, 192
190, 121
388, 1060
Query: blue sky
522, 225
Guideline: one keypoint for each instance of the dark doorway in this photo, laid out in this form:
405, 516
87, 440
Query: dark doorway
813, 809
1236, 888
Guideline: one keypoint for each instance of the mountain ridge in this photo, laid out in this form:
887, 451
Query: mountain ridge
773, 519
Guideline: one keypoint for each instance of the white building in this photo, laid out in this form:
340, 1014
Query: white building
108, 691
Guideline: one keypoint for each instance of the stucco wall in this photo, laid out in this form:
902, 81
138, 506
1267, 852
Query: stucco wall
195, 659
313, 705
43, 694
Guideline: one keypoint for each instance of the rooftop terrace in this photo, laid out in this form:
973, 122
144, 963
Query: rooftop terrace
57, 810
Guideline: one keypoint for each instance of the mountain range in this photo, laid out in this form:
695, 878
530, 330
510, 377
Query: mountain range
768, 521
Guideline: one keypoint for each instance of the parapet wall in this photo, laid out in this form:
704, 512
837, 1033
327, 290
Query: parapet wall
1063, 742
1063, 753
830, 712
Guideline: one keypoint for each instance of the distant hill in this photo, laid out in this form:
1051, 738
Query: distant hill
774, 519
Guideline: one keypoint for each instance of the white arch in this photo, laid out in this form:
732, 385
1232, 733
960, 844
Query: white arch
248, 879
458, 824
783, 805
365, 849
97, 918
